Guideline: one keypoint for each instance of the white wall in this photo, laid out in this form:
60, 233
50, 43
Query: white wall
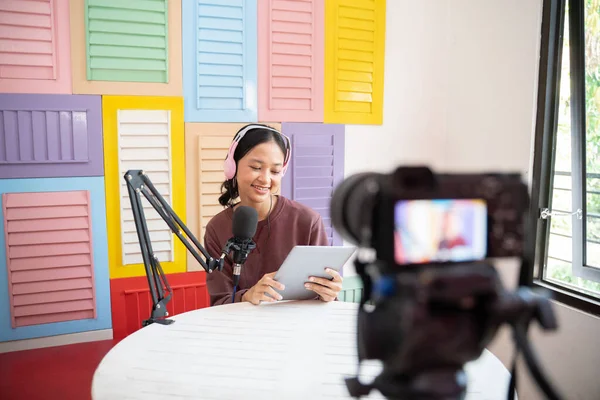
460, 93
415, 94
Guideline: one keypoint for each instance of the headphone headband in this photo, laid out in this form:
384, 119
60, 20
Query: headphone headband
229, 165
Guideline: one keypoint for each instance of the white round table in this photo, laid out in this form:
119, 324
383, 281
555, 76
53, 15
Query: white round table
286, 350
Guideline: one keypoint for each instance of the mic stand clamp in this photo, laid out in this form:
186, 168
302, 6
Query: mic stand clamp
241, 249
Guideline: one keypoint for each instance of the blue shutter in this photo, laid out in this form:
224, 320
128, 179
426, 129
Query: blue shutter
220, 60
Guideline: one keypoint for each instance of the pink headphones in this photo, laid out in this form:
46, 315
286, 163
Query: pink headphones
229, 165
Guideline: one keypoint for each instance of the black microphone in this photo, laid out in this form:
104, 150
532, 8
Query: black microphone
245, 220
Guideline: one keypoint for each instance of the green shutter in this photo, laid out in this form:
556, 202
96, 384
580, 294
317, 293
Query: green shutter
352, 289
127, 40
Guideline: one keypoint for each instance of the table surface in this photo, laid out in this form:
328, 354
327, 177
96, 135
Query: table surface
295, 350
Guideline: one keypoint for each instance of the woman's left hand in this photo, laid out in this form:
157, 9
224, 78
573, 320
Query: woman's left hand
327, 289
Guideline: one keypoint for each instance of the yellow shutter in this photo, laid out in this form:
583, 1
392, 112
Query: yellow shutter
143, 132
206, 145
354, 61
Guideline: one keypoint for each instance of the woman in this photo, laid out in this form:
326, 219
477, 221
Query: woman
255, 164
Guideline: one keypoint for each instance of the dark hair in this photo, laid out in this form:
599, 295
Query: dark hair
252, 138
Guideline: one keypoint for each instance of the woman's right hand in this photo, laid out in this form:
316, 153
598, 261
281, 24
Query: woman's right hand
264, 290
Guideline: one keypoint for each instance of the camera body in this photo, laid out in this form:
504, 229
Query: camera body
432, 299
503, 198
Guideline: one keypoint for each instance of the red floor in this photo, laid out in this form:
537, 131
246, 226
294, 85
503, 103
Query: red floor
62, 373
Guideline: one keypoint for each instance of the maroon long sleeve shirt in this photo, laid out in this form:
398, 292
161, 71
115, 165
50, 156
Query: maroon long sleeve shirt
290, 224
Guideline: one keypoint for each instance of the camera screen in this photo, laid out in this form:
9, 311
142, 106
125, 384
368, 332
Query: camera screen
440, 230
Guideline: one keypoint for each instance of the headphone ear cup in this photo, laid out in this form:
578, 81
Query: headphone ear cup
229, 168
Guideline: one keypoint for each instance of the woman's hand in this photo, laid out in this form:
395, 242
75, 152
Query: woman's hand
327, 289
264, 290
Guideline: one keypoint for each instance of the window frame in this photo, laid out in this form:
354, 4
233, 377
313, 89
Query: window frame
546, 124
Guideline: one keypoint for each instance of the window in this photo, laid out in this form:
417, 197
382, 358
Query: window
566, 173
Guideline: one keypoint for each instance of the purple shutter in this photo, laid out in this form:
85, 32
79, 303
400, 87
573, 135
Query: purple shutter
49, 135
317, 166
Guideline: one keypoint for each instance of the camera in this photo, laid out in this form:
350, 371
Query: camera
432, 298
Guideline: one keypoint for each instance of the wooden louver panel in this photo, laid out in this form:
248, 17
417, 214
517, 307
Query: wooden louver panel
212, 149
49, 257
27, 32
290, 71
354, 65
220, 60
317, 166
145, 143
127, 41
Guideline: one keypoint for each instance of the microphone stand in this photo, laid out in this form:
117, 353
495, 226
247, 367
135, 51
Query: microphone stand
139, 183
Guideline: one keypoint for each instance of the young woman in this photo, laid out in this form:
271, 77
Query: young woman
256, 162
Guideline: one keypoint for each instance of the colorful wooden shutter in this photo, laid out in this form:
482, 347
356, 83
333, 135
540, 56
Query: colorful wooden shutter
219, 60
49, 257
290, 54
35, 56
212, 149
50, 136
145, 143
144, 133
127, 41
354, 61
126, 48
316, 168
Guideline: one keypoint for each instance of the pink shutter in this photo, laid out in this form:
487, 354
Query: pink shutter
35, 54
49, 257
290, 60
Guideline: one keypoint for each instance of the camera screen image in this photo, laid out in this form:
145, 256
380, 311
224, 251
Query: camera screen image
440, 230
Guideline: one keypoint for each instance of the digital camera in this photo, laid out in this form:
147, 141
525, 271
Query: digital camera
413, 216
432, 299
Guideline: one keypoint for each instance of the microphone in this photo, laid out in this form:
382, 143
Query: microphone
245, 220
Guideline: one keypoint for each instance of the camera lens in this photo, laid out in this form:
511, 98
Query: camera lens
352, 205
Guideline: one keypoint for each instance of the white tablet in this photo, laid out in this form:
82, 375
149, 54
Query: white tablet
306, 261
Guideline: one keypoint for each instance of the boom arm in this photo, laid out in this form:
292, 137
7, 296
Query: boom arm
139, 183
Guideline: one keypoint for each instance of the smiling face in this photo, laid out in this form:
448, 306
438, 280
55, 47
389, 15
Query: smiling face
259, 173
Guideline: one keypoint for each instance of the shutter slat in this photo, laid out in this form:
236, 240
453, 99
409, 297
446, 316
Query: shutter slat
48, 250
220, 60
145, 143
66, 260
49, 199
51, 308
48, 276
26, 7
46, 212
290, 71
42, 287
41, 225
58, 317
50, 271
127, 41
53, 297
29, 238
354, 67
317, 166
